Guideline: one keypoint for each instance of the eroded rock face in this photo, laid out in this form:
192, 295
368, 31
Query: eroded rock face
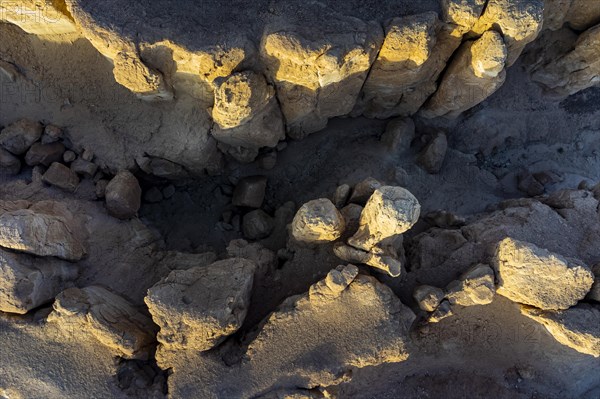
106, 317
123, 195
476, 72
198, 308
318, 76
534, 276
577, 327
318, 221
44, 229
27, 282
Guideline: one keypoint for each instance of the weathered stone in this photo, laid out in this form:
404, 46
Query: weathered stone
257, 224
475, 73
250, 191
123, 195
555, 12
42, 17
577, 327
131, 72
246, 112
9, 164
443, 311
61, 176
52, 134
432, 157
535, 276
363, 190
389, 211
196, 309
107, 317
69, 156
318, 75
85, 168
20, 135
583, 14
475, 287
428, 297
341, 195
318, 221
519, 22
399, 134
45, 229
27, 282
44, 154
463, 14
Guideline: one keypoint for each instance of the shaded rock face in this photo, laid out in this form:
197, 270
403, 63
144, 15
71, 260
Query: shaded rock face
318, 76
577, 327
106, 317
27, 282
197, 308
123, 195
534, 276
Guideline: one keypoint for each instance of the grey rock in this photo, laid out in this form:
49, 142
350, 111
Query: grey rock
9, 164
123, 195
85, 168
19, 136
257, 224
61, 176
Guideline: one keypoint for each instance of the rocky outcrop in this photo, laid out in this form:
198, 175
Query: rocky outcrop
318, 221
98, 313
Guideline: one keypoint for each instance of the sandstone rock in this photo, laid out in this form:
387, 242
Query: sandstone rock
341, 195
9, 164
85, 168
414, 53
123, 195
106, 317
27, 282
44, 154
555, 12
61, 176
250, 191
389, 211
69, 156
196, 309
519, 22
318, 75
45, 229
246, 112
52, 134
535, 276
363, 190
131, 72
577, 327
257, 224
399, 134
428, 298
475, 287
574, 70
318, 221
20, 135
432, 157
443, 311
476, 71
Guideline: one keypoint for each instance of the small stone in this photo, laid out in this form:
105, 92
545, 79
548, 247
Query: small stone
51, 134
399, 134
529, 185
342, 193
69, 156
432, 157
475, 287
168, 191
250, 191
84, 168
61, 176
9, 164
153, 195
443, 311
318, 221
123, 195
101, 188
257, 224
428, 297
19, 136
44, 154
363, 191
87, 155
267, 161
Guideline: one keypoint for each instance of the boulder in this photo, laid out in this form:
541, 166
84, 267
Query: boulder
257, 224
534, 276
109, 318
85, 168
250, 191
390, 211
428, 297
44, 154
577, 327
318, 221
432, 157
318, 75
61, 176
197, 308
475, 287
123, 195
20, 135
27, 282
9, 164
475, 73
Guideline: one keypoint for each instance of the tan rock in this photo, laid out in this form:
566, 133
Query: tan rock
106, 317
318, 75
197, 308
428, 298
577, 327
555, 12
475, 287
384, 261
390, 211
534, 276
27, 282
38, 17
148, 84
464, 14
476, 72
318, 221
